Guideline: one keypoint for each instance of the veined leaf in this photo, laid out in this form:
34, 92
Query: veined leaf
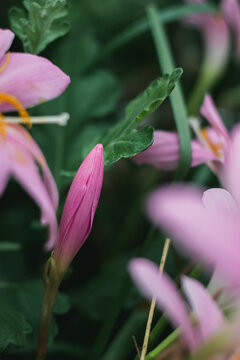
44, 22
125, 139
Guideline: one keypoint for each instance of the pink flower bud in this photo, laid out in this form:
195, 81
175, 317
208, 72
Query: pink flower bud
79, 209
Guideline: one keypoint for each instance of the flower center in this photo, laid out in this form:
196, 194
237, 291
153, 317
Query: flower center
10, 99
216, 148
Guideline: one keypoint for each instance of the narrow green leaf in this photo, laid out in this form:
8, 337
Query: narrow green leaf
176, 98
125, 139
44, 22
9, 246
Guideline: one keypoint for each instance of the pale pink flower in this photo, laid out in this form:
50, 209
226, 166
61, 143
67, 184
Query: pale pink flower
215, 35
31, 79
79, 209
153, 284
164, 153
206, 224
20, 157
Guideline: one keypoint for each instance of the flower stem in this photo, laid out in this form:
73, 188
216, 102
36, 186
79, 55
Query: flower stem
51, 284
153, 303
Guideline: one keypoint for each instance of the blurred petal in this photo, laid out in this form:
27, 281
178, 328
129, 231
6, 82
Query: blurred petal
6, 39
209, 111
209, 316
163, 154
230, 176
231, 11
153, 284
31, 79
22, 138
5, 166
216, 199
26, 172
209, 236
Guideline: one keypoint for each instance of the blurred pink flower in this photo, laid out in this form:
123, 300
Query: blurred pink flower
20, 156
153, 284
79, 209
215, 35
231, 12
206, 224
29, 78
163, 154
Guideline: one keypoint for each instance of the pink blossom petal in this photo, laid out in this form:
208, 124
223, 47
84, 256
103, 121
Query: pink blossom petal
5, 166
163, 154
153, 284
209, 111
231, 11
21, 137
209, 316
209, 236
217, 199
6, 39
26, 172
231, 172
31, 79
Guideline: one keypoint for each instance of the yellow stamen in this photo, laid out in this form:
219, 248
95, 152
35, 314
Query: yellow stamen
214, 147
10, 99
5, 63
236, 356
3, 126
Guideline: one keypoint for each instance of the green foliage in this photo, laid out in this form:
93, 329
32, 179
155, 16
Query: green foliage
125, 139
44, 22
20, 309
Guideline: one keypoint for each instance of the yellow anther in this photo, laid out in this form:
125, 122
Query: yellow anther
5, 62
3, 126
214, 147
10, 99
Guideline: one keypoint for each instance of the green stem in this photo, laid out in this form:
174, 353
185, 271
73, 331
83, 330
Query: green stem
176, 97
164, 345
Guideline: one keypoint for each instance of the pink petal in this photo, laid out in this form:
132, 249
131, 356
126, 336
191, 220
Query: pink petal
6, 39
153, 284
209, 316
211, 236
163, 154
209, 111
80, 207
26, 172
5, 165
22, 138
31, 79
231, 11
216, 199
231, 172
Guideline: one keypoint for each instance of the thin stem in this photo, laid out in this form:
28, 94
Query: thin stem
51, 283
164, 345
153, 303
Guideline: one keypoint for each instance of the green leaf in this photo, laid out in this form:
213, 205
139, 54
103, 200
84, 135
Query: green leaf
44, 22
125, 139
9, 246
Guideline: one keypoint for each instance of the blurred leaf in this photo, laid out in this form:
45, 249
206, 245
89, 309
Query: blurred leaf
125, 139
20, 310
45, 21
9, 246
14, 327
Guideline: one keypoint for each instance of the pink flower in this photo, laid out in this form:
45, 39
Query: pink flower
20, 157
215, 34
163, 154
29, 78
79, 209
231, 11
206, 224
210, 319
